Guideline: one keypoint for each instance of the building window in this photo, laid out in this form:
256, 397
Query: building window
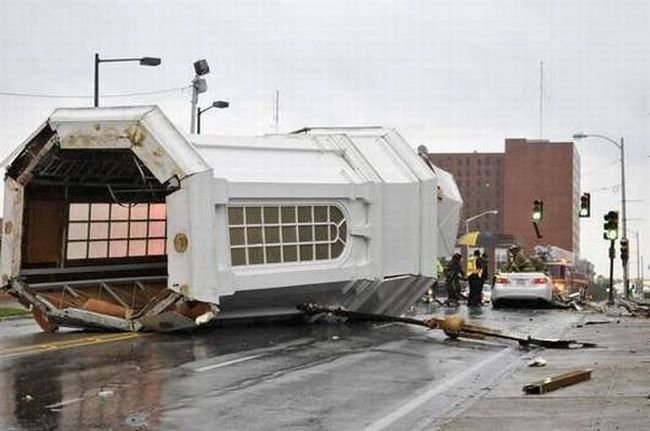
104, 230
283, 234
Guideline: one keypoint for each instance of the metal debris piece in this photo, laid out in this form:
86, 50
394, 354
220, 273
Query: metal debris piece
537, 362
574, 302
597, 322
552, 383
105, 393
454, 326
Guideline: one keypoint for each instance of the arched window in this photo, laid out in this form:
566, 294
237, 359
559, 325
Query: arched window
285, 233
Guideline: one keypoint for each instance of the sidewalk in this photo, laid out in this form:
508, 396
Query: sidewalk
10, 308
8, 301
616, 398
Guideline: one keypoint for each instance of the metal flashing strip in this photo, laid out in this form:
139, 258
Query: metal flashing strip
94, 268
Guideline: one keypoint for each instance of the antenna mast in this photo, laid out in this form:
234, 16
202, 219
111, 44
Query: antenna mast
276, 111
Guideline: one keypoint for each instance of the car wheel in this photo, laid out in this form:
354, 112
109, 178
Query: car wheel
496, 305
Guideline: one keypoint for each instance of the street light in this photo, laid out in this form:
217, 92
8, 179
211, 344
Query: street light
220, 104
621, 146
144, 61
469, 219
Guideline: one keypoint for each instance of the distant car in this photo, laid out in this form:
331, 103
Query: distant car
521, 286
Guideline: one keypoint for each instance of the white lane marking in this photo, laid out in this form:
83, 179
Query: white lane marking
436, 390
225, 364
64, 403
385, 325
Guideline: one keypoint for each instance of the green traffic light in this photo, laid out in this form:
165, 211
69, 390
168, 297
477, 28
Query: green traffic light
611, 225
538, 210
585, 205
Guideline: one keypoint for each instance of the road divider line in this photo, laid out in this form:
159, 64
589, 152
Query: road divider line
444, 385
384, 325
225, 364
64, 403
66, 344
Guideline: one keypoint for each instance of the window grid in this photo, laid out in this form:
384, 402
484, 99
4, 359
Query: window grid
81, 215
295, 233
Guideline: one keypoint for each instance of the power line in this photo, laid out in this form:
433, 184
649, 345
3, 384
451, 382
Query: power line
70, 96
602, 189
607, 165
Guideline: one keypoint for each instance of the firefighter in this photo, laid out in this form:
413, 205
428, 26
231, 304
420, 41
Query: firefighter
475, 280
453, 274
517, 262
485, 271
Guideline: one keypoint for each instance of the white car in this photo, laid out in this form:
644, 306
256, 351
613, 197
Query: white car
517, 286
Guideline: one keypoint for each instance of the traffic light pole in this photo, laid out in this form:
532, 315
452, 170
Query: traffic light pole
621, 146
610, 300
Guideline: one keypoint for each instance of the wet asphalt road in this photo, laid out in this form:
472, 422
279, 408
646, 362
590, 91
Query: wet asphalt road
299, 377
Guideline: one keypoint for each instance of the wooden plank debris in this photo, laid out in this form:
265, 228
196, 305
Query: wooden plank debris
552, 383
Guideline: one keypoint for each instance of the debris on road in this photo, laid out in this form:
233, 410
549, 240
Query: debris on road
635, 308
597, 322
453, 326
537, 362
577, 304
552, 383
105, 393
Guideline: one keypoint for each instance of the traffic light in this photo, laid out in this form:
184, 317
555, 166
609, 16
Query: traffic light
611, 226
585, 205
538, 210
625, 249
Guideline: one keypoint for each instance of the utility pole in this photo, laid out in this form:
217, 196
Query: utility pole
276, 111
541, 98
639, 280
610, 299
626, 264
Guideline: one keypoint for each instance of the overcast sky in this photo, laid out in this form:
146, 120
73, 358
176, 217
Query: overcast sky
456, 75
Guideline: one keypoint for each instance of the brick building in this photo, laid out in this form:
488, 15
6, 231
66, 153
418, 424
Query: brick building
509, 182
479, 177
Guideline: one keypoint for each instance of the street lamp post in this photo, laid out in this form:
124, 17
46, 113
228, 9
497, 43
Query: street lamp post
220, 104
621, 146
144, 61
469, 219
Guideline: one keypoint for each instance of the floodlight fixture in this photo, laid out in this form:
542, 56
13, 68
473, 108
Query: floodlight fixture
201, 67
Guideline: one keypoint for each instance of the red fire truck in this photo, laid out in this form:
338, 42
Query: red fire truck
567, 279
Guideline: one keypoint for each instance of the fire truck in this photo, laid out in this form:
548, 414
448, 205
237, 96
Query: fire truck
568, 280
